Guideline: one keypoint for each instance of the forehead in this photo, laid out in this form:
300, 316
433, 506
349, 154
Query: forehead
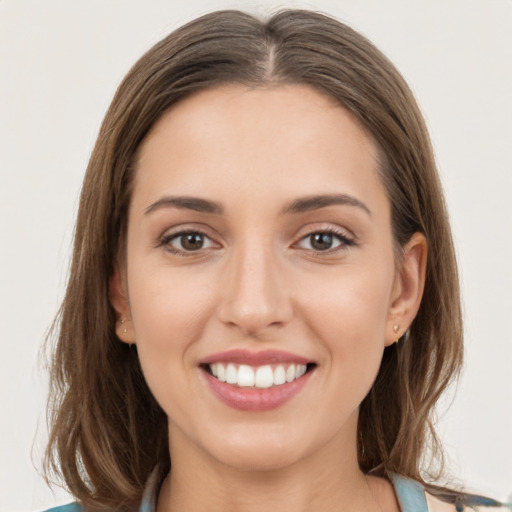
251, 108
290, 139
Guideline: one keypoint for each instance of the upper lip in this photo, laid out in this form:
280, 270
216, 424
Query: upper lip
241, 356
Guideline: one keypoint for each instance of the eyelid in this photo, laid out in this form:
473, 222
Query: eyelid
325, 227
177, 231
346, 237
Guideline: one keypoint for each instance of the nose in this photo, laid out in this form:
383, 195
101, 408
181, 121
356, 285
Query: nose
256, 297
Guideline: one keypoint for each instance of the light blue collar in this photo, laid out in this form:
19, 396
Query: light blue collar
410, 494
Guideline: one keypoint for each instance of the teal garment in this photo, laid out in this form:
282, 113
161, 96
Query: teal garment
410, 495
70, 507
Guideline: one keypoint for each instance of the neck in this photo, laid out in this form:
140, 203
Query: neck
329, 479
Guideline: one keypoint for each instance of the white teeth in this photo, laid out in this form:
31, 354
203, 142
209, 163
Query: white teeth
245, 376
231, 374
279, 376
260, 377
264, 377
300, 370
221, 372
290, 373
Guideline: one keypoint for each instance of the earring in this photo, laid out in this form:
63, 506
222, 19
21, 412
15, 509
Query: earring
395, 328
123, 320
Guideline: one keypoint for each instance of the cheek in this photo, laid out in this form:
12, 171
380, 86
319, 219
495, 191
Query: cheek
349, 316
353, 305
169, 313
167, 305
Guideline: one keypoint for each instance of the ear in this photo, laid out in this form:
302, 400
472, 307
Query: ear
121, 304
408, 288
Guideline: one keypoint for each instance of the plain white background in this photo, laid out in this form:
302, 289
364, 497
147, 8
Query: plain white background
60, 62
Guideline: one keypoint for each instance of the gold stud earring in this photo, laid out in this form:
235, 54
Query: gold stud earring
395, 328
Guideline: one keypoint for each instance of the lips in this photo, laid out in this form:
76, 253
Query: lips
256, 381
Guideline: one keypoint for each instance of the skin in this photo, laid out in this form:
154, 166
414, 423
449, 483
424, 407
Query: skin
259, 283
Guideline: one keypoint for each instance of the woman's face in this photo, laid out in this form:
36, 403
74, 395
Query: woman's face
259, 246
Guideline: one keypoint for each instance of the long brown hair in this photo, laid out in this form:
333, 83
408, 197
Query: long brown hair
107, 431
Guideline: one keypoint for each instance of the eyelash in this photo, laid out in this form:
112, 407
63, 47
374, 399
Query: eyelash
341, 236
166, 240
345, 240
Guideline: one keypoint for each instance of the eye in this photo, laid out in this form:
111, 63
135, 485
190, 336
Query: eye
187, 241
323, 241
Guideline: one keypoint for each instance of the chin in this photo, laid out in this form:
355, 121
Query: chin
260, 458
260, 449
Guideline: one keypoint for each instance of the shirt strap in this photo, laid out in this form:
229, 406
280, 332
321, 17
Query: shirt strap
410, 494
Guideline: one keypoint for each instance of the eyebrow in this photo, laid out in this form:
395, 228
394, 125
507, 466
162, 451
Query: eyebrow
312, 203
185, 202
302, 205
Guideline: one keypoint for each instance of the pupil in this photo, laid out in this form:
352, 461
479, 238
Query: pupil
321, 241
192, 241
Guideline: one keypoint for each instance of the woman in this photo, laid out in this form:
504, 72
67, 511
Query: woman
263, 306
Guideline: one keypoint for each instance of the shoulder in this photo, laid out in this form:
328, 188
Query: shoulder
70, 507
434, 504
471, 503
413, 497
147, 505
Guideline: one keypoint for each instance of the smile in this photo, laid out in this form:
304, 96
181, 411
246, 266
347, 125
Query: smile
260, 377
256, 381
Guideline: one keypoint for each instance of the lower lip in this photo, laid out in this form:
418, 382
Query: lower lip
251, 399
